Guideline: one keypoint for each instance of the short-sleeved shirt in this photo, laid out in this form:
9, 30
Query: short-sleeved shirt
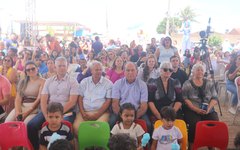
134, 131
165, 138
135, 93
94, 95
60, 90
165, 54
64, 131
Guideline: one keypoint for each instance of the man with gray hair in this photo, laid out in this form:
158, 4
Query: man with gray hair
95, 97
130, 89
60, 88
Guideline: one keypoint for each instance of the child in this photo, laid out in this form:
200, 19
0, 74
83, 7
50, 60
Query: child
167, 134
61, 144
55, 125
126, 124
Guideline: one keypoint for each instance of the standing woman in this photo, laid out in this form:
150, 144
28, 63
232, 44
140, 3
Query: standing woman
149, 70
11, 74
200, 97
28, 95
167, 50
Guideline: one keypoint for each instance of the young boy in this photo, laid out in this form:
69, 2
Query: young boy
167, 134
55, 125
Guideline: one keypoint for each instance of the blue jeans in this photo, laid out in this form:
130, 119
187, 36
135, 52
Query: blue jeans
114, 118
230, 85
34, 126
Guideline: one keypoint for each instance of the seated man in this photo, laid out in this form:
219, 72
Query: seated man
5, 91
60, 88
130, 89
95, 97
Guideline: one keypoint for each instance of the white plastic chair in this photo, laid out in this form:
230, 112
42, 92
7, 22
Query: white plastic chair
222, 85
238, 94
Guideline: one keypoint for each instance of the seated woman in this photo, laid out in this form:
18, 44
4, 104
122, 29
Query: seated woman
51, 69
11, 74
150, 69
116, 72
200, 97
164, 91
233, 73
28, 95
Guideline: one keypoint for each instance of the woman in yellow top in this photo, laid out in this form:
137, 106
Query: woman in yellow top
8, 71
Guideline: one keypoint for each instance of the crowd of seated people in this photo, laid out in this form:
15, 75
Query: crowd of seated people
93, 81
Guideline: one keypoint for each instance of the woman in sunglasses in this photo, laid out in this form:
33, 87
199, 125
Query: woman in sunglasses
200, 97
28, 95
11, 74
164, 91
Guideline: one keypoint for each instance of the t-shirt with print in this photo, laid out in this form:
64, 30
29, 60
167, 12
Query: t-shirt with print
134, 131
64, 132
165, 138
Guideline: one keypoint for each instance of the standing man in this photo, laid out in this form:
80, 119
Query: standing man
60, 88
178, 73
5, 94
130, 89
97, 46
95, 97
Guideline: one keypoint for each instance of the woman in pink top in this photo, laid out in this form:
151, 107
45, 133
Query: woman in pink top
117, 71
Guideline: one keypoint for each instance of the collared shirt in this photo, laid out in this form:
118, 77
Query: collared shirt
60, 90
135, 93
94, 95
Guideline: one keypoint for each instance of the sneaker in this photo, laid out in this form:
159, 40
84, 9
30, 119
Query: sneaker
232, 110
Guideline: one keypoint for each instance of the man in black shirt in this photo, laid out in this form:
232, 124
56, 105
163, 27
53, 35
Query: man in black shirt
177, 72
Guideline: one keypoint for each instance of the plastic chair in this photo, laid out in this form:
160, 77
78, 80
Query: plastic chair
182, 127
93, 133
14, 134
142, 123
211, 134
238, 105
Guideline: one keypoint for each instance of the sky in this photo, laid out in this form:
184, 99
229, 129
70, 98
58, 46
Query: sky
123, 15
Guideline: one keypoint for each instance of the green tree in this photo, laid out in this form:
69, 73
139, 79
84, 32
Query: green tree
188, 14
215, 40
174, 24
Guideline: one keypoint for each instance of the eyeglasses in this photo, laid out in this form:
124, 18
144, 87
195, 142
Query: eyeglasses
30, 69
7, 60
167, 69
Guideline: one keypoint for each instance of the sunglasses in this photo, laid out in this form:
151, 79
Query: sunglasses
167, 69
30, 69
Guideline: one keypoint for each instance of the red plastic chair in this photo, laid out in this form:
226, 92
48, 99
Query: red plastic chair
14, 134
142, 123
211, 134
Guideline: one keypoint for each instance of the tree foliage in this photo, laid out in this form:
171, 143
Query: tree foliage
176, 22
215, 40
188, 14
